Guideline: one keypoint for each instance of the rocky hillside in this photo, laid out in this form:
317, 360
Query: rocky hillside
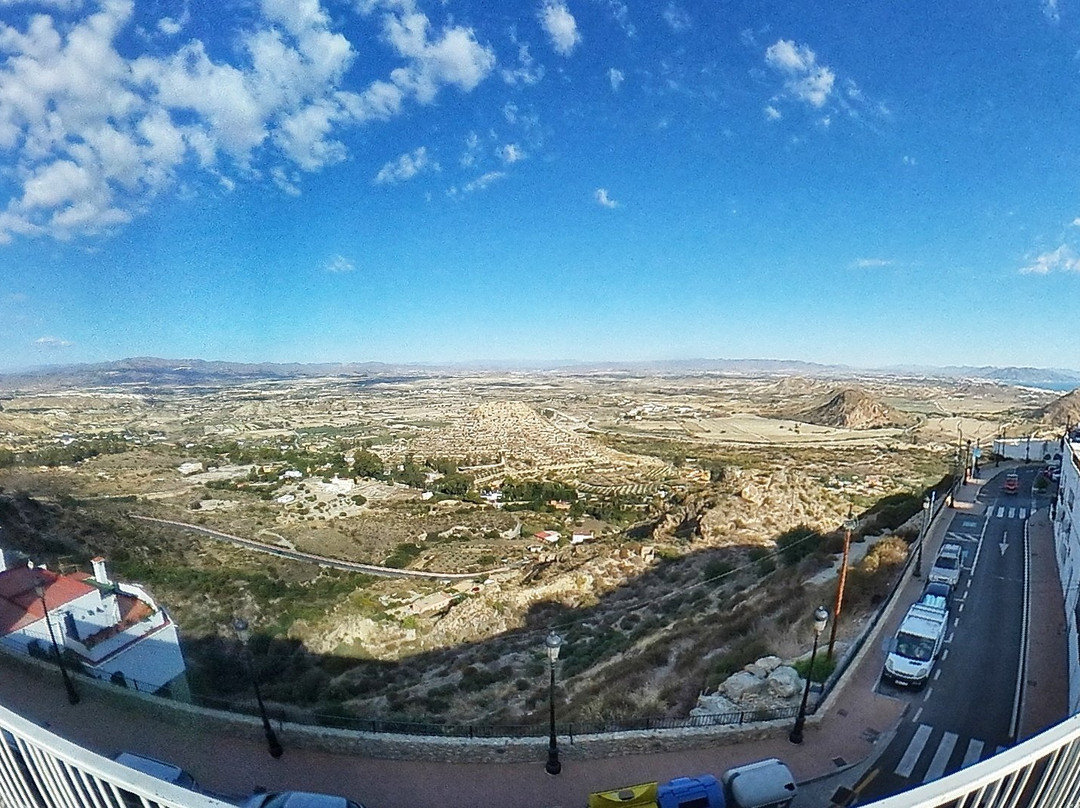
1063, 412
852, 408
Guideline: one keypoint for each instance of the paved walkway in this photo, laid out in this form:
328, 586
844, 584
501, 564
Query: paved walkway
856, 724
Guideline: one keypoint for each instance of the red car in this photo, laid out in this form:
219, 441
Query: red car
1012, 483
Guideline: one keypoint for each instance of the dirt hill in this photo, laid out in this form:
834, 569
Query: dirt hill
1063, 412
852, 408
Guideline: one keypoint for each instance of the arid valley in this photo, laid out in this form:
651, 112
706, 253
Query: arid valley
673, 525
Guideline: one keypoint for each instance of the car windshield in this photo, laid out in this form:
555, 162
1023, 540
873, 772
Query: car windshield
946, 563
920, 649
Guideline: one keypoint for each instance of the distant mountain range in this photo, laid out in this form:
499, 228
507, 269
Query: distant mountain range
151, 371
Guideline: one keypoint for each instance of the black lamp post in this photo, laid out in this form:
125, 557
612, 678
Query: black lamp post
922, 537
240, 626
72, 694
552, 643
821, 617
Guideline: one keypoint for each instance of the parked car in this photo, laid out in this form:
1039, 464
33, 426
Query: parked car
1012, 483
916, 647
298, 799
947, 565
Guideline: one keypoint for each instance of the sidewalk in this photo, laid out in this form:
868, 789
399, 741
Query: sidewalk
856, 723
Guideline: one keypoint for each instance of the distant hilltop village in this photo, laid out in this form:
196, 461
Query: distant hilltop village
112, 631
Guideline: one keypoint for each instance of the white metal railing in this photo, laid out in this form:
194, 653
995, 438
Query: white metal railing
41, 770
1041, 772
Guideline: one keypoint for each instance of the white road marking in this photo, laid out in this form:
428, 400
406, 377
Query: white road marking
944, 654
949, 638
941, 757
914, 749
915, 718
1000, 511
1012, 512
937, 673
926, 695
1023, 513
974, 751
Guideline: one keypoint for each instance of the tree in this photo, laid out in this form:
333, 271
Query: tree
367, 464
454, 484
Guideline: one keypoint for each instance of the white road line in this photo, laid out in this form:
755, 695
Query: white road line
926, 695
961, 608
1021, 664
1023, 513
1012, 512
914, 749
949, 638
1000, 511
937, 673
974, 751
941, 757
944, 654
915, 718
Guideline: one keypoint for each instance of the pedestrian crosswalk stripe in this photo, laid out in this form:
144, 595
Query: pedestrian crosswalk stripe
1012, 512
1000, 511
941, 757
914, 749
1023, 513
974, 750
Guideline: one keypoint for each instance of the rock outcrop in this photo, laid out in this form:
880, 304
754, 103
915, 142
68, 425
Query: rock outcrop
1063, 412
852, 408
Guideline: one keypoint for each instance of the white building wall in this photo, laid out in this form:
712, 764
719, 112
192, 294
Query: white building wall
1031, 449
1067, 542
149, 664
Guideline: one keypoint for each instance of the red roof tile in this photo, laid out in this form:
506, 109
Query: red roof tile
20, 605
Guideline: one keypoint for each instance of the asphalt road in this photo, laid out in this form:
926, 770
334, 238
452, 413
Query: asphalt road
970, 709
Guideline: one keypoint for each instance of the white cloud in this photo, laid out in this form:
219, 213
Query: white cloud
616, 77
483, 181
772, 113
1050, 10
676, 18
511, 153
602, 198
339, 264
1063, 259
804, 79
454, 57
406, 167
89, 136
527, 71
871, 263
908, 160
1076, 222
52, 343
560, 25
472, 150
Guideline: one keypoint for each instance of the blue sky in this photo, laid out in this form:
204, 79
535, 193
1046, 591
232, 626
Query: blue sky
398, 180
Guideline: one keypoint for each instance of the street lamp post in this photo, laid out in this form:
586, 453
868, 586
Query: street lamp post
240, 626
849, 525
927, 505
821, 617
552, 643
72, 694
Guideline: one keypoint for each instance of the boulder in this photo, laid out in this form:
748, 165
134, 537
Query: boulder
784, 682
769, 663
714, 705
741, 684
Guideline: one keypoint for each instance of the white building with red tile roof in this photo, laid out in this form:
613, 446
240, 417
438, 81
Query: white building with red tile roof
113, 629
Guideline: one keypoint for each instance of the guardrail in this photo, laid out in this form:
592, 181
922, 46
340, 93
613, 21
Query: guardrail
41, 770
